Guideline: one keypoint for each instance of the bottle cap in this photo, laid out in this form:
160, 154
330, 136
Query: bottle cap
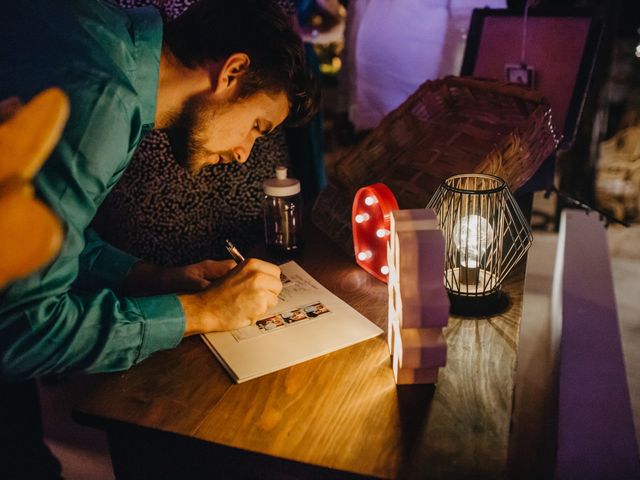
281, 186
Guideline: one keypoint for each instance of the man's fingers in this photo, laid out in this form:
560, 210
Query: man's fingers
275, 285
225, 265
191, 285
272, 301
261, 266
264, 301
243, 296
215, 269
262, 281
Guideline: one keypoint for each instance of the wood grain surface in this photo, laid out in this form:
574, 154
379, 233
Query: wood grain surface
341, 411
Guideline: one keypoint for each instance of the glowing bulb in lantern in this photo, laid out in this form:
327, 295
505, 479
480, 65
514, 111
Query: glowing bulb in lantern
361, 217
365, 255
472, 235
370, 200
382, 232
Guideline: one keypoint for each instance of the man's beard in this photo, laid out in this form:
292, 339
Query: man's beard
187, 133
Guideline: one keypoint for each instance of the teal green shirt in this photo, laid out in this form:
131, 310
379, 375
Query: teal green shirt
68, 316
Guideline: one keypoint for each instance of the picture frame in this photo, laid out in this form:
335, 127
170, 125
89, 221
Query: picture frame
562, 44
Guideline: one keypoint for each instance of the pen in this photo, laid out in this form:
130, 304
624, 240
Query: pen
239, 258
233, 251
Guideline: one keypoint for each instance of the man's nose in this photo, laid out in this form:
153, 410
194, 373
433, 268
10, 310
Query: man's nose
241, 153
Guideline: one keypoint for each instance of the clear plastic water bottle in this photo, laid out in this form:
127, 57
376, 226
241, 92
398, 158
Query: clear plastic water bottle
281, 207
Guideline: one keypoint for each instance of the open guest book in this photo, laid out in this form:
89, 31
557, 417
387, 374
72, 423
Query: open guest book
309, 321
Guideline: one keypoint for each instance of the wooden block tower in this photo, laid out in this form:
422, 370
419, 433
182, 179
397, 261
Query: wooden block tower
418, 301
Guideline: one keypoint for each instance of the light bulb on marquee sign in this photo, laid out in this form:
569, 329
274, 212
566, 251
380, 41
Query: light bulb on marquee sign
372, 207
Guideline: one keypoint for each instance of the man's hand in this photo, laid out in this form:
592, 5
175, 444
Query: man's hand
197, 276
147, 279
239, 299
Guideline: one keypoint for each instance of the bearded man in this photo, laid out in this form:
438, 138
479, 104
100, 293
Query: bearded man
216, 79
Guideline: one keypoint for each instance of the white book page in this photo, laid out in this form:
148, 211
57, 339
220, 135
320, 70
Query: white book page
308, 321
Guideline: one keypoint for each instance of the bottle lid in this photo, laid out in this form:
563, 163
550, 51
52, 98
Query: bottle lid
281, 186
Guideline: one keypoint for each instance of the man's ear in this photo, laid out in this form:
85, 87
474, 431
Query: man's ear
231, 71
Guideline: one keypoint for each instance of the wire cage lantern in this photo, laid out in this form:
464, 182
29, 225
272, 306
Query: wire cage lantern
485, 235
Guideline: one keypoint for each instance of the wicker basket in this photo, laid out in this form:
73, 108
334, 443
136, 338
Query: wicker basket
448, 126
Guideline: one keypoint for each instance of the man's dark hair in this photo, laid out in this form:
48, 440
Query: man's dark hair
212, 30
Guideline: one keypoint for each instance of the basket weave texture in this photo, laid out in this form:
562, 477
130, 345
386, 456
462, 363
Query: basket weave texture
448, 126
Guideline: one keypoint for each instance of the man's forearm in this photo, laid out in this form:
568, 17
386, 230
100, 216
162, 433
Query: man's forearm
102, 265
145, 279
88, 333
194, 308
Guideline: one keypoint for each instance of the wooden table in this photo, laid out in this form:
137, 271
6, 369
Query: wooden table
179, 415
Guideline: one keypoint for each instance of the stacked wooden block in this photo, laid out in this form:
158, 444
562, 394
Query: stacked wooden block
418, 301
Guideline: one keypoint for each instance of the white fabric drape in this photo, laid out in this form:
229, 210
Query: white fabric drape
393, 46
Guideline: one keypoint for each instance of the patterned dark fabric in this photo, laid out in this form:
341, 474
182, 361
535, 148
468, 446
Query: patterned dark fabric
162, 214
173, 8
168, 8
